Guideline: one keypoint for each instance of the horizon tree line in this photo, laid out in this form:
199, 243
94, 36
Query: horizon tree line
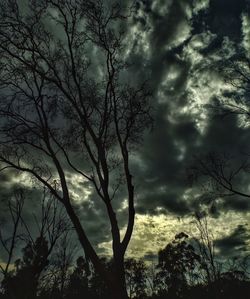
50, 264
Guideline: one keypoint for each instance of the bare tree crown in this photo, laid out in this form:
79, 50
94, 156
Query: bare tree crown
68, 103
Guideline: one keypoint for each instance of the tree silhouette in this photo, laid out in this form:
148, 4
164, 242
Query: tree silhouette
50, 225
24, 282
61, 111
57, 275
220, 173
21, 278
236, 73
9, 243
136, 278
173, 277
176, 261
206, 248
79, 280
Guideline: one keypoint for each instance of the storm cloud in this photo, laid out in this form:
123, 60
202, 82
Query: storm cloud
176, 46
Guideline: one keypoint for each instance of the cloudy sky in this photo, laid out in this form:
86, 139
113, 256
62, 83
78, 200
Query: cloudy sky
178, 45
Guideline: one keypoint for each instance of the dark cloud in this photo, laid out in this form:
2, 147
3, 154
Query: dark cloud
236, 243
160, 165
237, 203
222, 17
176, 139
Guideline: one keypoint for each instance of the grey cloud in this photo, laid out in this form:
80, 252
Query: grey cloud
235, 243
222, 17
160, 176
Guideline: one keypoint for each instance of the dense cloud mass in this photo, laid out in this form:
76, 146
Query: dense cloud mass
235, 242
178, 47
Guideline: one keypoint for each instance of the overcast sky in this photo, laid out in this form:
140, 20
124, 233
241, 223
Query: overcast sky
177, 44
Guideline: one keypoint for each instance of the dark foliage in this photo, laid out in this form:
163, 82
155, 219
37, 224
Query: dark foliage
177, 275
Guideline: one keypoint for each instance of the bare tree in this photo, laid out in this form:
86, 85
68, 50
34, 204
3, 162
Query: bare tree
236, 74
50, 225
220, 175
9, 243
224, 173
206, 249
56, 277
63, 111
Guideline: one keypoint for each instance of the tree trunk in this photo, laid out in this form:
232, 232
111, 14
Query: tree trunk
119, 276
119, 292
116, 283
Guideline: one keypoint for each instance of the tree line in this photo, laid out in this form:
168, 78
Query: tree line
50, 265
